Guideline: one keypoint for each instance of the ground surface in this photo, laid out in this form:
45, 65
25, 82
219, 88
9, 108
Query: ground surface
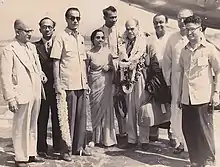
158, 155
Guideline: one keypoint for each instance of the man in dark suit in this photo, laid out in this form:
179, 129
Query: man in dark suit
47, 27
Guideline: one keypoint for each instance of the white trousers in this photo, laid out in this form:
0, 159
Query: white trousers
134, 100
24, 128
176, 125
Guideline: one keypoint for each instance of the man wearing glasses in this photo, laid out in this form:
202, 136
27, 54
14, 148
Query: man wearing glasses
21, 77
170, 65
44, 45
70, 78
198, 90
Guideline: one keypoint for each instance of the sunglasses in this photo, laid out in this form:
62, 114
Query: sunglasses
73, 18
130, 29
100, 37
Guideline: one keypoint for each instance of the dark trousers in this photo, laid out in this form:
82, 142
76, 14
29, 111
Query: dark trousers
46, 106
77, 114
197, 124
154, 131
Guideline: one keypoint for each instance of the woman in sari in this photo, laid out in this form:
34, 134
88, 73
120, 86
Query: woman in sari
100, 76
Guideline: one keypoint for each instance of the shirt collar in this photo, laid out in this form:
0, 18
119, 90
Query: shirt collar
114, 26
46, 41
71, 32
22, 44
203, 43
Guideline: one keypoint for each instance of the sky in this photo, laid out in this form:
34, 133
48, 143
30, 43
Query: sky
33, 10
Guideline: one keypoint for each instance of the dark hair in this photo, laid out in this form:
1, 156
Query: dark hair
92, 37
159, 14
193, 19
70, 9
106, 10
47, 18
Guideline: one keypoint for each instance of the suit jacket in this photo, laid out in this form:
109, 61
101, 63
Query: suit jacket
46, 63
17, 74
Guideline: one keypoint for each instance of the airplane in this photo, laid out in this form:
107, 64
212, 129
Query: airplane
208, 10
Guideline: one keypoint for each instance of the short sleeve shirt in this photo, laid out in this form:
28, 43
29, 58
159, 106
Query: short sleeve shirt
69, 48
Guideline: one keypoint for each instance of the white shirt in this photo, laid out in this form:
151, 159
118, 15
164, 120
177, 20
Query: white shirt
171, 62
196, 68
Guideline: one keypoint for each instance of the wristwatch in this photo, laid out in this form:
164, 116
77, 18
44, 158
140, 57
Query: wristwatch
216, 91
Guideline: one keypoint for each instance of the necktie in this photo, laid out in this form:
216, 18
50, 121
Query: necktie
48, 46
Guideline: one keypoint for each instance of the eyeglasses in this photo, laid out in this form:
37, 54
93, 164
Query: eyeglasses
26, 31
192, 30
45, 27
100, 37
130, 29
73, 18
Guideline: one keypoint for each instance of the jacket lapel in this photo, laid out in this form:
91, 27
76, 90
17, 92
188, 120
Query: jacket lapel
19, 52
42, 50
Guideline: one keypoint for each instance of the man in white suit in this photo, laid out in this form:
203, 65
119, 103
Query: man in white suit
21, 77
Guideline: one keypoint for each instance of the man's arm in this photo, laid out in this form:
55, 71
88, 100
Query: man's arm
167, 63
7, 77
181, 70
56, 54
6, 74
214, 60
37, 60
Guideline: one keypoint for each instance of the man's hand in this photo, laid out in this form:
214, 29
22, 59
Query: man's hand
58, 89
13, 106
106, 68
44, 79
179, 104
215, 99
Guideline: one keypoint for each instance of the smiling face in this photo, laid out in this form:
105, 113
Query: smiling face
160, 24
194, 32
132, 29
99, 39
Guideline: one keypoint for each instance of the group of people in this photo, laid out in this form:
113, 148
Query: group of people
164, 80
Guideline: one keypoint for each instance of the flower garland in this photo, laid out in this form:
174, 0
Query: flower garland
63, 117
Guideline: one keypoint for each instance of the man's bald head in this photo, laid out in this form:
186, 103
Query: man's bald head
22, 30
184, 13
134, 22
132, 28
21, 25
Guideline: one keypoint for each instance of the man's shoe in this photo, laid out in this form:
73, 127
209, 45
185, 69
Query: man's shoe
83, 152
145, 146
66, 157
153, 138
172, 143
21, 164
42, 154
179, 149
35, 159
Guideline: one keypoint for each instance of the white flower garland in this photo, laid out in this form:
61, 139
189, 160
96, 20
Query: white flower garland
63, 117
